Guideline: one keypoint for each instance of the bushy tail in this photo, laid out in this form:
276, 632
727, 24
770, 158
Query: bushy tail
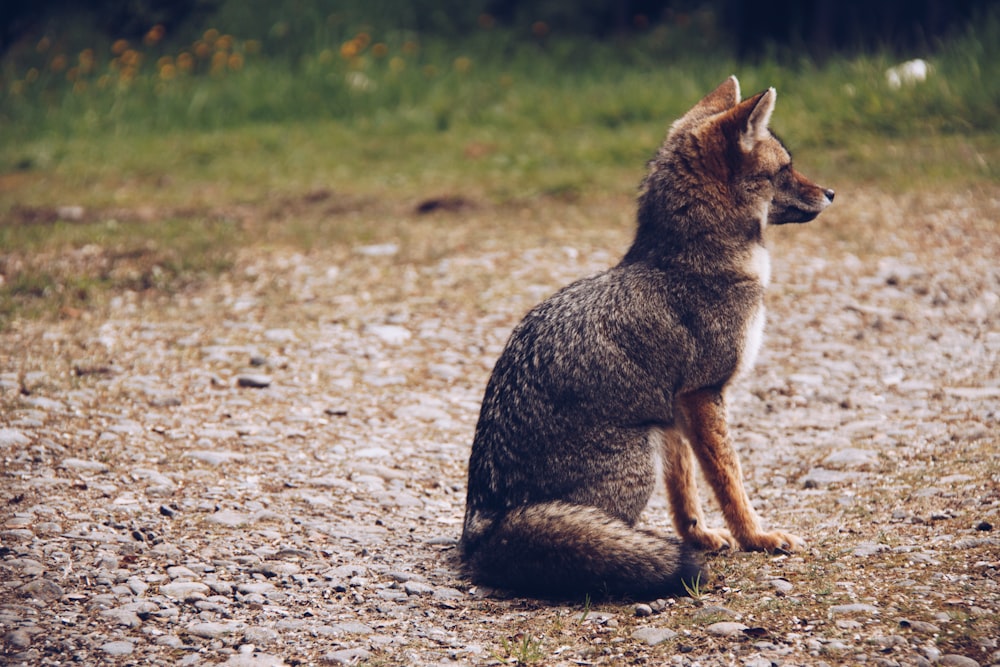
562, 550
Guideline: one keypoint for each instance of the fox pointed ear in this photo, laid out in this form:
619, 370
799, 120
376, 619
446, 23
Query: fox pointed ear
723, 98
758, 109
726, 96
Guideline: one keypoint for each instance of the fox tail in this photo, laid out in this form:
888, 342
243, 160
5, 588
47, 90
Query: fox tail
561, 550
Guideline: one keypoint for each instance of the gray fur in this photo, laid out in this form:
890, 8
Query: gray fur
562, 463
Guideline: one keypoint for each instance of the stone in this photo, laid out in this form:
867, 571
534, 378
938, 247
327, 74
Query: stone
390, 334
254, 660
254, 381
955, 660
347, 656
726, 628
10, 437
653, 636
212, 630
118, 648
854, 608
82, 465
182, 590
851, 458
417, 588
41, 589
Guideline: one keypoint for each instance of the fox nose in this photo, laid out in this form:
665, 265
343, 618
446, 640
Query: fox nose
829, 193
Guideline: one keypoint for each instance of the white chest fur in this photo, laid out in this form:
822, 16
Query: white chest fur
759, 266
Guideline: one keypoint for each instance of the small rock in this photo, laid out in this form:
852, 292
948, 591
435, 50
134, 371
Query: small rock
851, 458
18, 639
11, 436
260, 635
211, 630
41, 589
866, 549
643, 610
164, 401
258, 588
391, 334
725, 628
855, 608
820, 477
984, 526
347, 656
417, 588
919, 626
179, 571
122, 616
229, 518
653, 636
182, 590
84, 465
253, 660
447, 593
118, 648
254, 381
782, 586
955, 660
354, 628
213, 457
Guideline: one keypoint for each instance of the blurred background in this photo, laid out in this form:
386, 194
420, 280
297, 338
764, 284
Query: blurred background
181, 112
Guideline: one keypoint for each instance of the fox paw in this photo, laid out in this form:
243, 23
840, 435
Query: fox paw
710, 539
773, 542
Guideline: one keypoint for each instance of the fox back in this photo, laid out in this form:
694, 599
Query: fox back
574, 415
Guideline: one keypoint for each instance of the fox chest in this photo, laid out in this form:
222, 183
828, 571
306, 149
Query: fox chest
759, 266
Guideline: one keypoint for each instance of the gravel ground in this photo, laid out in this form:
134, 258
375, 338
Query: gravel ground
269, 469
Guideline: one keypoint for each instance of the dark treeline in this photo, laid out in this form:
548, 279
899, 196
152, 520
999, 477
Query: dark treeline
815, 28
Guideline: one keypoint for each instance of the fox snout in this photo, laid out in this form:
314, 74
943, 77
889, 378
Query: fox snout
797, 199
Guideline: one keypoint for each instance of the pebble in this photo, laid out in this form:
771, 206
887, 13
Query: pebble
226, 517
254, 381
854, 608
83, 465
41, 589
347, 656
643, 610
212, 630
726, 628
254, 660
417, 588
182, 590
955, 660
118, 648
653, 636
10, 437
851, 458
18, 639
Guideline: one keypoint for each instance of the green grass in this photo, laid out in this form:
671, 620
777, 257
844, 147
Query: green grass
491, 123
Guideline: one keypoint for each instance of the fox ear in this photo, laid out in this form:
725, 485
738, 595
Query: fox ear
758, 110
726, 96
723, 98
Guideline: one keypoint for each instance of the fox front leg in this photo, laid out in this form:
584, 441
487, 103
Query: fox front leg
682, 491
708, 432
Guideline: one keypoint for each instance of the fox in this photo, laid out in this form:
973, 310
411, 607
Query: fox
621, 379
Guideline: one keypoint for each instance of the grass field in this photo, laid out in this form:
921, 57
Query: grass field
150, 167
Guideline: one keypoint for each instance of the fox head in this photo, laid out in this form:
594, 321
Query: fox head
722, 166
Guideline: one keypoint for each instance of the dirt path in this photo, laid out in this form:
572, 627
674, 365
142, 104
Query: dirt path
270, 470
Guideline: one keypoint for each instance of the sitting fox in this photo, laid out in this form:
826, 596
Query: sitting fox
632, 365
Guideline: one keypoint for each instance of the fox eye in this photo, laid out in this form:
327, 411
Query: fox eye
782, 172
